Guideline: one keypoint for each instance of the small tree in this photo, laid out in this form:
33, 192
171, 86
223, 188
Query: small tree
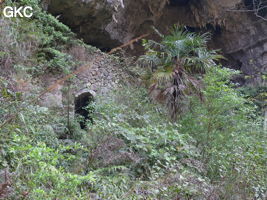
175, 66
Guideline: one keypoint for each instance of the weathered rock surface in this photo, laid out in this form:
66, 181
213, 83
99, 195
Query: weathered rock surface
241, 35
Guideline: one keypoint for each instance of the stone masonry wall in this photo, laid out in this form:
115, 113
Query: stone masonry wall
103, 73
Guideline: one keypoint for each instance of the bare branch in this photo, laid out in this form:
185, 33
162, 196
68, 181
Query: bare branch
257, 7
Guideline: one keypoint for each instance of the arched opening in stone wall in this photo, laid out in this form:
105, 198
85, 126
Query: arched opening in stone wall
83, 109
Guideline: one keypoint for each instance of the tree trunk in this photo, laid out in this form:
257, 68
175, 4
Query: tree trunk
265, 120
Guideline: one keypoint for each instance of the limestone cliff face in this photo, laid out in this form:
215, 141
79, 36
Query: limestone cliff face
242, 36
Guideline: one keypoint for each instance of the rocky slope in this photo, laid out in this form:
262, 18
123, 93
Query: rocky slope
239, 32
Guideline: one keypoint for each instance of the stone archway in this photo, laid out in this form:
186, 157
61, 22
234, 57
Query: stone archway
82, 100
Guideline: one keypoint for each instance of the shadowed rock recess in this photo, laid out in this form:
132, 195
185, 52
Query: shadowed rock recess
81, 102
107, 23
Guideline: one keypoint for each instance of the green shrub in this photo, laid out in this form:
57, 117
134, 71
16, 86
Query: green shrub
39, 162
38, 42
229, 133
153, 144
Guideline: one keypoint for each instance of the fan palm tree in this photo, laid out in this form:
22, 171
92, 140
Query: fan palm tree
175, 66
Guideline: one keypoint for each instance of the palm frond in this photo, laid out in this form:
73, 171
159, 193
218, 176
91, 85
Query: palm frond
178, 60
163, 76
157, 31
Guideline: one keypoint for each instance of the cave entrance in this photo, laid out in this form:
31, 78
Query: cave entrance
179, 2
83, 108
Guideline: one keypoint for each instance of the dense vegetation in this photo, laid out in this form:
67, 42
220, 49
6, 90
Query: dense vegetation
192, 135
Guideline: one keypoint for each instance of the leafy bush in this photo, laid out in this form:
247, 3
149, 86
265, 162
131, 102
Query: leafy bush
132, 151
151, 148
38, 41
52, 60
38, 172
230, 136
128, 151
39, 163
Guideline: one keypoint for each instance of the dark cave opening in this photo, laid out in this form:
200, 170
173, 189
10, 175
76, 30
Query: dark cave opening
179, 2
191, 29
97, 38
94, 37
214, 29
87, 21
83, 108
102, 47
